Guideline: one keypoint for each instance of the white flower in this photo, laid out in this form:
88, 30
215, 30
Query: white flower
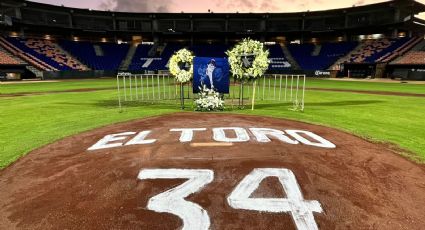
259, 64
209, 100
184, 56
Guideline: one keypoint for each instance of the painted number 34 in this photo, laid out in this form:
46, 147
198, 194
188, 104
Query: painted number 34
196, 218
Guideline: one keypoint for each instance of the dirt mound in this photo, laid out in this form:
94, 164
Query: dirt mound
356, 185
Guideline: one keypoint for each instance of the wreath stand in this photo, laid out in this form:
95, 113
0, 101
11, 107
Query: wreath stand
241, 95
181, 66
241, 104
182, 96
254, 86
248, 60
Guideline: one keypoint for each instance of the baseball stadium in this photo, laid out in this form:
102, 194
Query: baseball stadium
212, 114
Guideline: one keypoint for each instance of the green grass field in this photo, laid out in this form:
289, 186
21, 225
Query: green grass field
29, 122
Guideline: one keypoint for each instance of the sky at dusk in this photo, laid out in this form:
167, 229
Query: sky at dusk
213, 5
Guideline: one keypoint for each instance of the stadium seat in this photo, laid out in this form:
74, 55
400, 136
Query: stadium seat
111, 58
412, 57
140, 57
277, 58
47, 52
27, 57
329, 54
5, 59
400, 50
142, 61
370, 51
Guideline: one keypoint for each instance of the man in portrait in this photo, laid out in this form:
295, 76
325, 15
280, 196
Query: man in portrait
213, 73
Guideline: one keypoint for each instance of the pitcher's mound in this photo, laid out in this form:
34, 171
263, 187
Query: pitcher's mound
231, 172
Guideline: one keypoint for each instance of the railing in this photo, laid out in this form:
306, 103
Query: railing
161, 87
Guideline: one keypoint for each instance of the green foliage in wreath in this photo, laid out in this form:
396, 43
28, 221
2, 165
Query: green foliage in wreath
248, 48
180, 59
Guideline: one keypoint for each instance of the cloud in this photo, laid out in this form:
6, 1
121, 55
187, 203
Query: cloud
137, 5
251, 5
359, 3
226, 5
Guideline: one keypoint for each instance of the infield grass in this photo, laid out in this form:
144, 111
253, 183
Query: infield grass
29, 122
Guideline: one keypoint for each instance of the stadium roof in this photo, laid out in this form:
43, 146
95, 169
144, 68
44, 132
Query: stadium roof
379, 18
415, 7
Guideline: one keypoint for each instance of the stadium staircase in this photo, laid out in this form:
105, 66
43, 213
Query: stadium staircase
51, 53
412, 58
290, 58
151, 57
147, 63
419, 47
98, 50
140, 58
47, 52
111, 54
415, 56
35, 71
125, 64
328, 54
153, 50
316, 51
156, 57
37, 64
19, 61
75, 60
164, 52
378, 51
10, 59
371, 51
400, 51
277, 59
346, 58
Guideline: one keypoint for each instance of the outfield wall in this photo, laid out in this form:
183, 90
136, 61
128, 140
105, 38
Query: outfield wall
409, 72
50, 75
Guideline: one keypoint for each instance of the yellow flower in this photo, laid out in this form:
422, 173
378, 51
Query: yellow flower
259, 65
181, 75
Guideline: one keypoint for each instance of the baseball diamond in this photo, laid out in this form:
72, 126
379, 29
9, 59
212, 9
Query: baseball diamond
95, 181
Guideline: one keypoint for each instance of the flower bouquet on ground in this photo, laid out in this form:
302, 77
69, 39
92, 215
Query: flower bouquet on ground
209, 100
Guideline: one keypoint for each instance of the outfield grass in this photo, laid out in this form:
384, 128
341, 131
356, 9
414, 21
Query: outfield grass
367, 86
32, 121
40, 87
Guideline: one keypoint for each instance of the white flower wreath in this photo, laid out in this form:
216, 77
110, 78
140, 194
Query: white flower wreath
248, 47
180, 57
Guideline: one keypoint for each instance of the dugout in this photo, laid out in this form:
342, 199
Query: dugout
15, 72
406, 72
358, 70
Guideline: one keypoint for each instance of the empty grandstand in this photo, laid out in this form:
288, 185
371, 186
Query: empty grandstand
141, 58
56, 41
413, 57
6, 59
99, 56
320, 56
48, 52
